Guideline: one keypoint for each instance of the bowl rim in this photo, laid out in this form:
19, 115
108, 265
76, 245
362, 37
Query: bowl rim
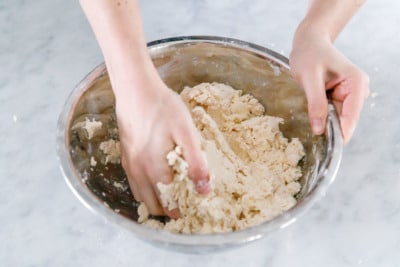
326, 172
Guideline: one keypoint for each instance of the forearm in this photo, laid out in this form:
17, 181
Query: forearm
327, 18
118, 29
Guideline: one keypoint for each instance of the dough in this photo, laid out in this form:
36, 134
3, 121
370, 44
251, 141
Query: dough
111, 148
93, 161
90, 126
254, 168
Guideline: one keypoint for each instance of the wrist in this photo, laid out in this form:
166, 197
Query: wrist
135, 83
130, 72
311, 29
327, 18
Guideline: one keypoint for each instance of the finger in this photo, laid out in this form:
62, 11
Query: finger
338, 106
162, 173
156, 164
344, 87
157, 168
150, 197
129, 170
135, 189
173, 214
349, 95
188, 139
340, 92
351, 109
198, 170
314, 87
142, 187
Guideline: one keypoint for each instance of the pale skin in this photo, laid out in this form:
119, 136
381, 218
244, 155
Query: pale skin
152, 119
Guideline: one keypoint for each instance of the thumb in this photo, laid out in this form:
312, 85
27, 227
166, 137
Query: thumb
314, 87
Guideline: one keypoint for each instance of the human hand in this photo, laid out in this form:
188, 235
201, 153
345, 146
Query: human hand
318, 66
152, 119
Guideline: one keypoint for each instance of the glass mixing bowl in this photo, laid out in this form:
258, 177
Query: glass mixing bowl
187, 61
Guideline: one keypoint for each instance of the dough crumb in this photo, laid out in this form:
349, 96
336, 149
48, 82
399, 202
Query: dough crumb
120, 186
90, 126
84, 176
144, 218
112, 150
143, 213
253, 168
93, 162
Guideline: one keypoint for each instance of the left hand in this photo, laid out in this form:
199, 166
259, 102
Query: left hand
318, 66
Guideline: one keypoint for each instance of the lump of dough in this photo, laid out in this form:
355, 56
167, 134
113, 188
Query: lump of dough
111, 148
254, 168
90, 126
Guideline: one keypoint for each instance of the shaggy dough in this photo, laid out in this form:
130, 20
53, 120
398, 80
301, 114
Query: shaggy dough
254, 168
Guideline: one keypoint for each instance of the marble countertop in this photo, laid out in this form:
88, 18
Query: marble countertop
46, 47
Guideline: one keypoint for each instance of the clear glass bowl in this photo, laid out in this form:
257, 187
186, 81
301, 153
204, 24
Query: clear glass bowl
187, 61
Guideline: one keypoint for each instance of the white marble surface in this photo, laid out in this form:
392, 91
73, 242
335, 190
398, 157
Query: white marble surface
46, 47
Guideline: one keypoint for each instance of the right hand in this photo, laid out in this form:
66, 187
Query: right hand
152, 119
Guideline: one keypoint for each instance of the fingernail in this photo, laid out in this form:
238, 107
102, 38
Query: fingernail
317, 126
203, 186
